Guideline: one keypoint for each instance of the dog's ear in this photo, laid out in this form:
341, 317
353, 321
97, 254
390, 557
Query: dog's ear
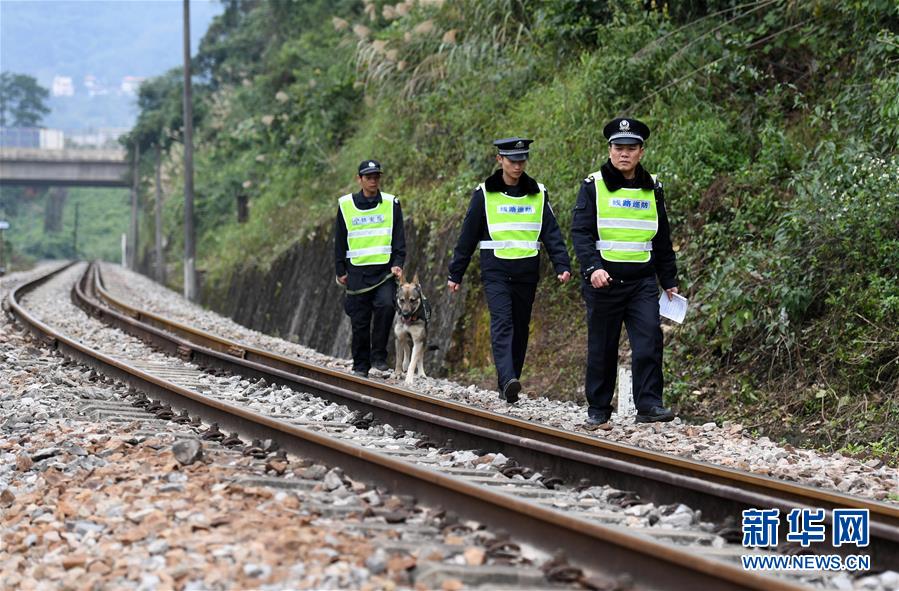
415, 279
402, 276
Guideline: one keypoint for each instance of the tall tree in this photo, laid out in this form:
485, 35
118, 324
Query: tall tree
21, 100
159, 122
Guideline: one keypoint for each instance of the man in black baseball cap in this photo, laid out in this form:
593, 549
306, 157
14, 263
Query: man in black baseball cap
622, 239
369, 167
369, 251
509, 220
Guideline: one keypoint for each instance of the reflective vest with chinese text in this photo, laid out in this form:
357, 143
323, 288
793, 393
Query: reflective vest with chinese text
369, 232
513, 223
626, 221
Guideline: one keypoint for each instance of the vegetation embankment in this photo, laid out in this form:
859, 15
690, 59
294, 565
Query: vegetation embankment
775, 130
42, 224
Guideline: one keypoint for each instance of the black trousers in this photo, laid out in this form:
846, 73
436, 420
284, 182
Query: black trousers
636, 304
371, 316
510, 305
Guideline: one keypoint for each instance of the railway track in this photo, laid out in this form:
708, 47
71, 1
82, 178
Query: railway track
719, 493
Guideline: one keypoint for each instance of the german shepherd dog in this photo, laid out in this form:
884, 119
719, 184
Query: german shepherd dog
411, 328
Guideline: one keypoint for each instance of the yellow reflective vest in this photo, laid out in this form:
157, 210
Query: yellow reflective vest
626, 221
369, 232
513, 223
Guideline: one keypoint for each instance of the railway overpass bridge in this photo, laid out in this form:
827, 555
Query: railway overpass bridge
65, 168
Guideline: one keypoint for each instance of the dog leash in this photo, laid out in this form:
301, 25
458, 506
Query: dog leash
365, 289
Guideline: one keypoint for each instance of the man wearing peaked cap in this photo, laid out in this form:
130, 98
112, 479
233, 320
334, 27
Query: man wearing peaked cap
626, 131
369, 251
509, 218
515, 149
622, 240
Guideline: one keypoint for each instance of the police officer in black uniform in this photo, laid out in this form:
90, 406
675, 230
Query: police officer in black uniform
622, 252
369, 252
508, 218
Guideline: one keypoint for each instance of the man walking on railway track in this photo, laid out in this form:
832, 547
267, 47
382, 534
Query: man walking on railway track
622, 240
369, 252
508, 219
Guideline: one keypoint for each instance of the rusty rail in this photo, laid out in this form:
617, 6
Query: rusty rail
719, 491
596, 547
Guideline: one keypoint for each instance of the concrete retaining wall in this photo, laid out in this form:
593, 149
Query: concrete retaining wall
297, 298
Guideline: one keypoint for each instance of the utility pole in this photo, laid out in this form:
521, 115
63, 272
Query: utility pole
160, 262
190, 251
132, 246
75, 234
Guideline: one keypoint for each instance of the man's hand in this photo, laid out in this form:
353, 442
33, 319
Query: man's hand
342, 280
671, 291
397, 271
563, 277
600, 279
453, 286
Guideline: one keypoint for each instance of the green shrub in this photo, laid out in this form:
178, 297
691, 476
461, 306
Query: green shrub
785, 228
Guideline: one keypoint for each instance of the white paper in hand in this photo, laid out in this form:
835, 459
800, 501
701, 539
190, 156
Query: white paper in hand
676, 309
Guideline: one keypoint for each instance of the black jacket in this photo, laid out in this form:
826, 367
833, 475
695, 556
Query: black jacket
584, 233
362, 276
474, 229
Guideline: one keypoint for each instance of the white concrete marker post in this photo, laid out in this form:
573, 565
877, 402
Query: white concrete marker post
4, 225
626, 406
124, 250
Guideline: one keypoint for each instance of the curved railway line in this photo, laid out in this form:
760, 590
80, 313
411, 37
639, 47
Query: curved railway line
720, 493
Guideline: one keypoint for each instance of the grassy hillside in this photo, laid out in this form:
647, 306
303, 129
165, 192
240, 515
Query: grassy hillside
775, 128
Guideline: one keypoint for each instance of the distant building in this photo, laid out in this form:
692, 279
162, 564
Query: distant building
104, 137
94, 87
32, 137
130, 84
62, 86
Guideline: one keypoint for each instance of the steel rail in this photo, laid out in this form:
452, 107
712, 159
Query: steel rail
599, 548
718, 491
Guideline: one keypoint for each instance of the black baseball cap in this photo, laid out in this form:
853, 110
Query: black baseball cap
369, 167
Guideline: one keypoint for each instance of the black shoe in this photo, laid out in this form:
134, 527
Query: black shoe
380, 365
656, 414
600, 419
511, 390
361, 373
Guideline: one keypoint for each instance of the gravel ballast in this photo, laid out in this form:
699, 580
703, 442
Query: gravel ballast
728, 444
94, 504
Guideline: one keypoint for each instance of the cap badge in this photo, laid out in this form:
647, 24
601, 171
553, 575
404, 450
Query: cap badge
371, 164
625, 125
519, 144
